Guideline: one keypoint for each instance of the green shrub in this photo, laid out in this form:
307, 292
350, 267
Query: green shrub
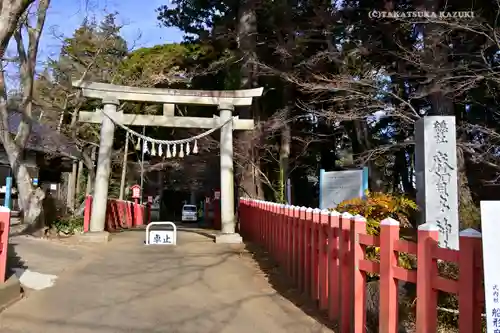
376, 207
379, 206
68, 225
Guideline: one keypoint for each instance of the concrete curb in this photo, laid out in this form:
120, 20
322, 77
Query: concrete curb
10, 292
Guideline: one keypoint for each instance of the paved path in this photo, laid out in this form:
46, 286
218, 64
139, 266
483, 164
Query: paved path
124, 286
38, 262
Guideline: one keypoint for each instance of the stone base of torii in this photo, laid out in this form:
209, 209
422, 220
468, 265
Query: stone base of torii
111, 95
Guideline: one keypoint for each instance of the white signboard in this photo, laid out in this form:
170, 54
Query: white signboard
491, 248
338, 186
161, 237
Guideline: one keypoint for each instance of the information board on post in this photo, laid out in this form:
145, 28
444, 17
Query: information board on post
338, 186
491, 264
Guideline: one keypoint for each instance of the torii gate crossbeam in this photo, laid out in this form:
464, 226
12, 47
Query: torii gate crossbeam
111, 95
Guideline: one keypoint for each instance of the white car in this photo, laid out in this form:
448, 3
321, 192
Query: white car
189, 213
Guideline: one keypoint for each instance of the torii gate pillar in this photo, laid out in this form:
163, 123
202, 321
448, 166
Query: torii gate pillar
100, 201
228, 222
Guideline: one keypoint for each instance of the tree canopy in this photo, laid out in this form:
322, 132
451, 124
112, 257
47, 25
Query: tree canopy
363, 80
343, 88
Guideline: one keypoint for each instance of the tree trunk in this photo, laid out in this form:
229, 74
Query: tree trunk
250, 182
469, 213
30, 198
284, 160
436, 56
358, 133
402, 174
287, 41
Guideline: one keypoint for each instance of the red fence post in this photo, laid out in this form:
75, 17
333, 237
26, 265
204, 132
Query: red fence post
264, 218
274, 223
295, 244
4, 241
247, 218
469, 281
428, 235
265, 229
120, 212
112, 215
86, 213
323, 259
270, 226
258, 219
301, 264
267, 218
358, 227
138, 215
288, 240
333, 266
253, 220
109, 224
129, 213
307, 256
281, 233
241, 211
388, 318
345, 280
314, 273
262, 222
121, 208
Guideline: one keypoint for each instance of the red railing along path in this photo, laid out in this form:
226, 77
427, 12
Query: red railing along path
120, 215
323, 252
4, 241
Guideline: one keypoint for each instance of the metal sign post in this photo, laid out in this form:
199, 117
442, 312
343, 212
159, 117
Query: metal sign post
161, 237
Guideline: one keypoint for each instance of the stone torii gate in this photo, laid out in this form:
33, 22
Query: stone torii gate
111, 95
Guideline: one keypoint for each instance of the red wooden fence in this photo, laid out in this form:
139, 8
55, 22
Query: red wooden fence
324, 253
120, 215
4, 241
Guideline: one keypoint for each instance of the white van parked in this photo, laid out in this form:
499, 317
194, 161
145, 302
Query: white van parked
189, 213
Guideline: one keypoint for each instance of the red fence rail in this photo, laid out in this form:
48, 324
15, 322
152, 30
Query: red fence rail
4, 241
120, 215
324, 253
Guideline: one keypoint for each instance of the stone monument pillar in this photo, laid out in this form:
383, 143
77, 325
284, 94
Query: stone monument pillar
436, 176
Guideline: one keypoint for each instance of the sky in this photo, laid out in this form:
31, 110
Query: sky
141, 28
